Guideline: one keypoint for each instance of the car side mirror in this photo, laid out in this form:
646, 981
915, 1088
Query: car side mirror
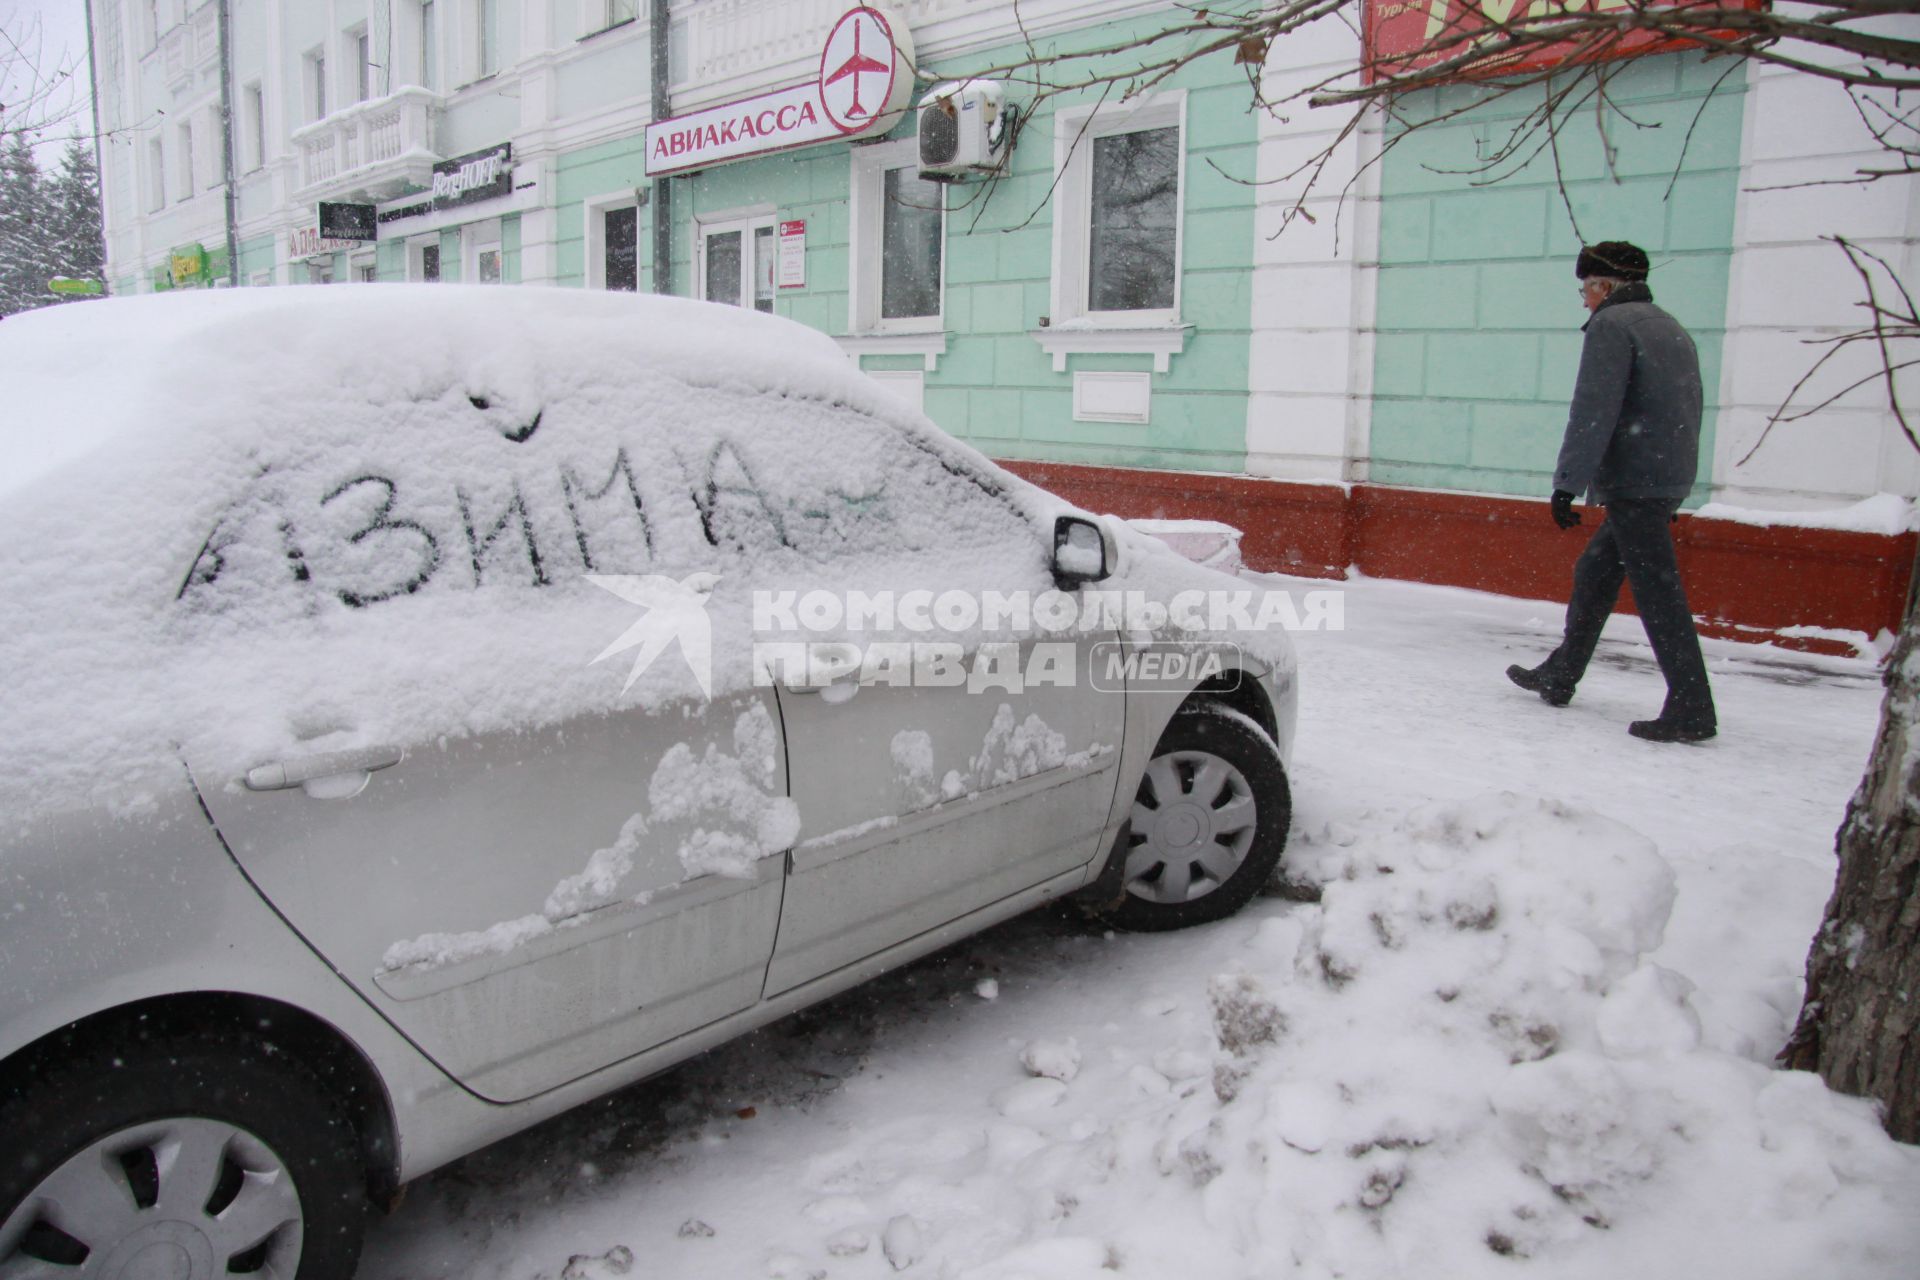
1079, 553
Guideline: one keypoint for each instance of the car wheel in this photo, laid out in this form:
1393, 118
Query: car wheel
202, 1158
1208, 824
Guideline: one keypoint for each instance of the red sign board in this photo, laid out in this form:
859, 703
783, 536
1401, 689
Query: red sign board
1401, 34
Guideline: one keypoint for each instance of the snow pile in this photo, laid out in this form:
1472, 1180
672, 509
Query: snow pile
1883, 513
1208, 542
1459, 1062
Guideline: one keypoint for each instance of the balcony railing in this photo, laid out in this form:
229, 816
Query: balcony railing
375, 149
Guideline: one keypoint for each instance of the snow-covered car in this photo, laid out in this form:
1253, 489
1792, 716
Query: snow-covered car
427, 709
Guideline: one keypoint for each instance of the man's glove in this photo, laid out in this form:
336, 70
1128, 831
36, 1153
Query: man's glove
1563, 513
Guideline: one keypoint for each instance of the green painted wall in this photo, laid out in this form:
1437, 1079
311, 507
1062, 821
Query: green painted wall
995, 386
1479, 323
450, 255
258, 254
390, 262
597, 172
510, 249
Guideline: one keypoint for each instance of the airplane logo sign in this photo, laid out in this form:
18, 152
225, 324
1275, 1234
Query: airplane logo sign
863, 87
858, 68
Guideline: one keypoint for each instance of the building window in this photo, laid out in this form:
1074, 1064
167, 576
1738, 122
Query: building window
737, 263
485, 263
912, 217
183, 156
316, 76
360, 45
156, 176
365, 270
253, 105
899, 235
1135, 214
612, 13
216, 161
1117, 235
423, 261
486, 43
620, 250
429, 46
320, 270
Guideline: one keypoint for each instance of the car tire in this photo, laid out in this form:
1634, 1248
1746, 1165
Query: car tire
1208, 825
198, 1157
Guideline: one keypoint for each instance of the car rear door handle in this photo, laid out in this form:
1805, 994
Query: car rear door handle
831, 667
283, 774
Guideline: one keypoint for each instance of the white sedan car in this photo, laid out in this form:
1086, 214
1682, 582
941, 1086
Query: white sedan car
428, 709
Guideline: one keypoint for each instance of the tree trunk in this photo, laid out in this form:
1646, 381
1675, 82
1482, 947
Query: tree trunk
1860, 1025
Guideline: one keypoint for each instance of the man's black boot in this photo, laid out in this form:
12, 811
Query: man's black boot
1540, 680
1672, 729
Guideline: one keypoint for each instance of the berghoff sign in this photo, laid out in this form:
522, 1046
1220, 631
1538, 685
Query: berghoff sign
862, 87
468, 179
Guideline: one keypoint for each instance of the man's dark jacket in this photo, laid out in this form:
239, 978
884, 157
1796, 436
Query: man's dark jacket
1634, 429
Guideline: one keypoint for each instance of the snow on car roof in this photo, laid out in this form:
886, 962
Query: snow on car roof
230, 522
85, 377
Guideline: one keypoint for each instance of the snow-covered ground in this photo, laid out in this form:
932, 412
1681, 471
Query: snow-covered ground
1526, 1031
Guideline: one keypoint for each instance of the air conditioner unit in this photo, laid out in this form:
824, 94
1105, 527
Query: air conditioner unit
966, 131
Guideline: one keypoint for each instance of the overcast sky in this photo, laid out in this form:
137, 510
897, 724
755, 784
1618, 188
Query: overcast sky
54, 32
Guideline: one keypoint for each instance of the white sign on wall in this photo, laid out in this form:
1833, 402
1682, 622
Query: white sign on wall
862, 87
793, 254
307, 242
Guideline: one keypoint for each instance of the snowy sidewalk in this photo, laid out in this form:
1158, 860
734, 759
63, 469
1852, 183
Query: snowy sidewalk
1476, 1056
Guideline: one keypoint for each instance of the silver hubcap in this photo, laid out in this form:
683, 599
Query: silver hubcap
1193, 823
184, 1199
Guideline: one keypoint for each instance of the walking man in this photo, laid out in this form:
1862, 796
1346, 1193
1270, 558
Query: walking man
1633, 444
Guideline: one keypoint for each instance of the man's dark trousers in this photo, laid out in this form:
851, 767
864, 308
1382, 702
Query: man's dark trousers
1635, 544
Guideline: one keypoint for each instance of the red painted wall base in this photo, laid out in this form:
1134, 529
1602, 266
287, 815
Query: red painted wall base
1745, 582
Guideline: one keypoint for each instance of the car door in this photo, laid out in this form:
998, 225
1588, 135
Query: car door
921, 804
531, 873
920, 799
507, 900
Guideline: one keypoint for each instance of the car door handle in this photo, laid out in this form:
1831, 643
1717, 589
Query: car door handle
831, 668
283, 774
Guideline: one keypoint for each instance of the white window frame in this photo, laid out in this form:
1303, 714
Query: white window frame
313, 84
476, 239
477, 46
597, 207
603, 15
1074, 133
866, 229
185, 153
214, 166
357, 52
156, 175
416, 260
745, 221
423, 35
253, 98
363, 262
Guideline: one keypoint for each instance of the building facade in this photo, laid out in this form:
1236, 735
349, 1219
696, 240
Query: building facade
1125, 312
